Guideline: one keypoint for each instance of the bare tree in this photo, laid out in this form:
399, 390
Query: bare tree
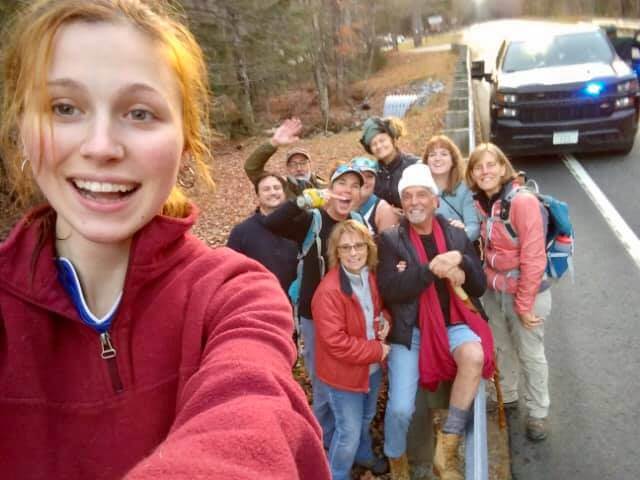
318, 58
416, 23
342, 44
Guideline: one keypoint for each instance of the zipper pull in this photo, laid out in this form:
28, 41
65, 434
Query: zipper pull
108, 351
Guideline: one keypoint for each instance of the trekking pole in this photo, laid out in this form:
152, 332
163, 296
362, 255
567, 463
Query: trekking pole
502, 419
296, 324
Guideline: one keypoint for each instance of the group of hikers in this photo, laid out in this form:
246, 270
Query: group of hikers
387, 254
130, 349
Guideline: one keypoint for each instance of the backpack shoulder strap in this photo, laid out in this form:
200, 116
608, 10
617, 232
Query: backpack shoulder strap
357, 217
505, 208
313, 234
443, 198
312, 237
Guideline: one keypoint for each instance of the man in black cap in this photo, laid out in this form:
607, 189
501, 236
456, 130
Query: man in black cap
298, 161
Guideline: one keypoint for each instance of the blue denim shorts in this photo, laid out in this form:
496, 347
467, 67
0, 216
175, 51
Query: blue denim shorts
459, 334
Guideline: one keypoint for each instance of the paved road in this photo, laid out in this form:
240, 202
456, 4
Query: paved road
593, 336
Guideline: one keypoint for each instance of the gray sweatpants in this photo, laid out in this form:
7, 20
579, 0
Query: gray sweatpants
519, 349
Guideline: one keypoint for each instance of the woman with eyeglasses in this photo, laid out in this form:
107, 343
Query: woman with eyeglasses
376, 212
351, 329
379, 138
308, 220
444, 159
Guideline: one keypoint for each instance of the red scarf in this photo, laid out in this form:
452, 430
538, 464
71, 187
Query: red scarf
435, 361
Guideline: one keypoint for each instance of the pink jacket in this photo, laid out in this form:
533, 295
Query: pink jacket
515, 266
204, 357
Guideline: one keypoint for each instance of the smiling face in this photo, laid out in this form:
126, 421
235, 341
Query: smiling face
270, 194
487, 173
419, 205
382, 147
109, 156
352, 252
369, 184
347, 188
439, 161
299, 167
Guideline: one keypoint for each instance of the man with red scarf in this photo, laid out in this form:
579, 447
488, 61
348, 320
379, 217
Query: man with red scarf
431, 278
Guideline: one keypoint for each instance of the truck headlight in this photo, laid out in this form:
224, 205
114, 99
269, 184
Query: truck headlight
630, 86
507, 112
506, 97
624, 102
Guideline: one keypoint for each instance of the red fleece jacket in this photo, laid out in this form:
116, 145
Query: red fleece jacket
204, 356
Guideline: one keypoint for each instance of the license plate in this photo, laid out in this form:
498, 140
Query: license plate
564, 138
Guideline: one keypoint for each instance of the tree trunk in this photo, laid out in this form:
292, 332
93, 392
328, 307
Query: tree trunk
416, 23
320, 68
242, 73
372, 45
340, 46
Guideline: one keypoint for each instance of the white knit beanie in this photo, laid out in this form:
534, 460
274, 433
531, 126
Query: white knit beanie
417, 175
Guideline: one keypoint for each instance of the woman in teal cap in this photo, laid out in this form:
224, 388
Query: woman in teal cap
376, 212
379, 137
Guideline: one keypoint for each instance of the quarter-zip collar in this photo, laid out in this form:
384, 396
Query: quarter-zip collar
35, 279
487, 203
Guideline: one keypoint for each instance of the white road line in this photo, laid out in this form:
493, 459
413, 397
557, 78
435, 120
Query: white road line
624, 233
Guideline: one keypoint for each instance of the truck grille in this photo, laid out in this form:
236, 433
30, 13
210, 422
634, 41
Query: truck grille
537, 96
564, 113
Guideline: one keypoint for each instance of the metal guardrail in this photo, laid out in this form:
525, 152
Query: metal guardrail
476, 451
472, 130
460, 128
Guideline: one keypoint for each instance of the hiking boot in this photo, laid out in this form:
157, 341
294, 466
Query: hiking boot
378, 466
399, 468
492, 406
537, 429
446, 460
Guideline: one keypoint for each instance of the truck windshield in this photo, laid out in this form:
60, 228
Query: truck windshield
569, 49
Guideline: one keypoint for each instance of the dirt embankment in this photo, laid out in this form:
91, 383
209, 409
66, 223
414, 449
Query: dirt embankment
233, 198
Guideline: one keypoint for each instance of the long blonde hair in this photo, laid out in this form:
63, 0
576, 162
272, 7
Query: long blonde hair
27, 57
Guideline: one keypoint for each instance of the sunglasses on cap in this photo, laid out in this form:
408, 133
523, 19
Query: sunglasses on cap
344, 169
365, 164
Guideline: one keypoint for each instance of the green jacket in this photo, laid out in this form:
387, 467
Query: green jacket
254, 168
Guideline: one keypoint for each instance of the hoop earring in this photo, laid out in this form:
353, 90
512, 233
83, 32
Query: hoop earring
23, 164
187, 174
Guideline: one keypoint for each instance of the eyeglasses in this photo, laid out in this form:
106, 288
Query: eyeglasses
298, 163
357, 247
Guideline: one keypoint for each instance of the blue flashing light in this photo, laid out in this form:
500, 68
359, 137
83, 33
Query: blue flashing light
594, 89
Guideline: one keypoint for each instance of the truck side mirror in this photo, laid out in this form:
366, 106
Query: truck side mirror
477, 70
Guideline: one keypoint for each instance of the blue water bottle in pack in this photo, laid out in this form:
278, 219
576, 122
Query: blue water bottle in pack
559, 256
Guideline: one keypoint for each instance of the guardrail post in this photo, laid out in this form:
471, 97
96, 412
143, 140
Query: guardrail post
476, 461
459, 122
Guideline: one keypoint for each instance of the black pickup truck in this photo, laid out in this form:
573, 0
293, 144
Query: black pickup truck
564, 91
